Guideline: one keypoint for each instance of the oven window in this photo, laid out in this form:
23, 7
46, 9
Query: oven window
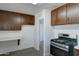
57, 52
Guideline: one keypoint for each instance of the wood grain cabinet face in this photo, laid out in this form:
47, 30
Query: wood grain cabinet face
61, 15
8, 21
67, 14
73, 13
58, 16
27, 20
76, 52
54, 17
14, 21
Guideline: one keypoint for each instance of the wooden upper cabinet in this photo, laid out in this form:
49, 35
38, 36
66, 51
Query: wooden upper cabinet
58, 16
9, 21
66, 14
61, 15
14, 21
73, 13
54, 17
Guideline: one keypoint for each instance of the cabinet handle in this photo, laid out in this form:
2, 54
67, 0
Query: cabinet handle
18, 42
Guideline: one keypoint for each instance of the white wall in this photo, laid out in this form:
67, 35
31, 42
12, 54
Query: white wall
27, 40
28, 36
48, 31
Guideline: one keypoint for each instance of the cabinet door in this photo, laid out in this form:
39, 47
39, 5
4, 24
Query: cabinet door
16, 21
61, 15
76, 52
27, 20
73, 13
30, 20
54, 17
9, 21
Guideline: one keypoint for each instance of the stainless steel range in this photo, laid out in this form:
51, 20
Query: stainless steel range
63, 45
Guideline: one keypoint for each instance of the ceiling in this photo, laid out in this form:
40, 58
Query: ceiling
28, 8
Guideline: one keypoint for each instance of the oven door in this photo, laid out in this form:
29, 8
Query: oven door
57, 51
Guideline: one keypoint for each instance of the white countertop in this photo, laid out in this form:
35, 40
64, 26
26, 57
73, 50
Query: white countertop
7, 38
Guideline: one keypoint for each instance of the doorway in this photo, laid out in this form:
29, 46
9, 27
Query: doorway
41, 36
